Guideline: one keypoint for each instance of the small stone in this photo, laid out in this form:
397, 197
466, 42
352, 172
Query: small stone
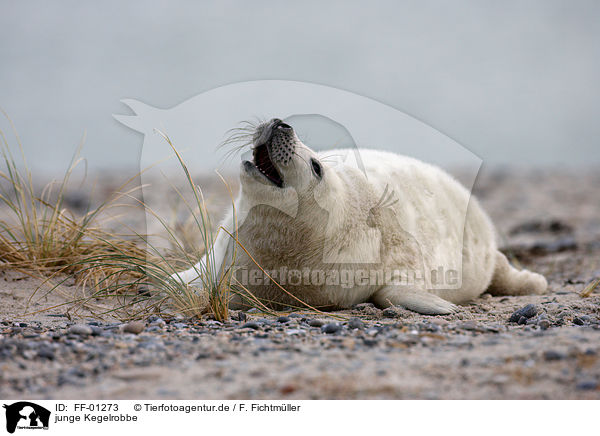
331, 328
391, 312
266, 322
283, 319
587, 385
81, 330
551, 355
370, 342
522, 320
363, 306
241, 316
134, 327
251, 325
293, 332
97, 331
315, 323
470, 326
526, 312
45, 353
578, 321
179, 325
356, 323
544, 324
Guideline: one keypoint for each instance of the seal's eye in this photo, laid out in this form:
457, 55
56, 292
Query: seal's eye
316, 166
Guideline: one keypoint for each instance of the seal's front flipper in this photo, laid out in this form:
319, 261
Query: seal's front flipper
417, 301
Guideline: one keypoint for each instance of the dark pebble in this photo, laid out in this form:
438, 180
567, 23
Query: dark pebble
241, 316
97, 331
283, 319
587, 385
331, 328
315, 323
578, 321
370, 342
526, 312
45, 353
562, 244
251, 325
553, 355
355, 323
390, 312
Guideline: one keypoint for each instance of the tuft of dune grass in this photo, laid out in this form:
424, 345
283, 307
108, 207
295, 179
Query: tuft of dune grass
123, 276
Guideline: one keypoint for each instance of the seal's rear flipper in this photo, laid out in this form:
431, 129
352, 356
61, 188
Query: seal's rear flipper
417, 301
507, 280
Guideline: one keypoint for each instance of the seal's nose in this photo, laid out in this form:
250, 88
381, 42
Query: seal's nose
284, 127
268, 131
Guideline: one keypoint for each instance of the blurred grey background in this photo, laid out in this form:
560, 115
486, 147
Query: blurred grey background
516, 82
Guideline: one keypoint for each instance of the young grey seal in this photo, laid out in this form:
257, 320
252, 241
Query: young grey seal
396, 232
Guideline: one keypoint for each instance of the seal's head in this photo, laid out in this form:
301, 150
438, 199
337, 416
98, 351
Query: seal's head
280, 162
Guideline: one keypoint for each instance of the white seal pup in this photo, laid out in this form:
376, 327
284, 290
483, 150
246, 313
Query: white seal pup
397, 232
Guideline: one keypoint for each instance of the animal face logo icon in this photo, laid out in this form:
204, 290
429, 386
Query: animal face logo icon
26, 415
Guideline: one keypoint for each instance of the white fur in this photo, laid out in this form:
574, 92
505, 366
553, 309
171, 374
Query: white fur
336, 224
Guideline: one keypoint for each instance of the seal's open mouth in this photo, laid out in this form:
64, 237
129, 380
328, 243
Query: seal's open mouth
263, 163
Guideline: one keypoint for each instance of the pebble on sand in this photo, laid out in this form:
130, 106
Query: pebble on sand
81, 330
526, 312
331, 328
250, 325
134, 327
355, 323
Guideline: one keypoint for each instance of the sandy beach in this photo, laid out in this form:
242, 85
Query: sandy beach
530, 347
